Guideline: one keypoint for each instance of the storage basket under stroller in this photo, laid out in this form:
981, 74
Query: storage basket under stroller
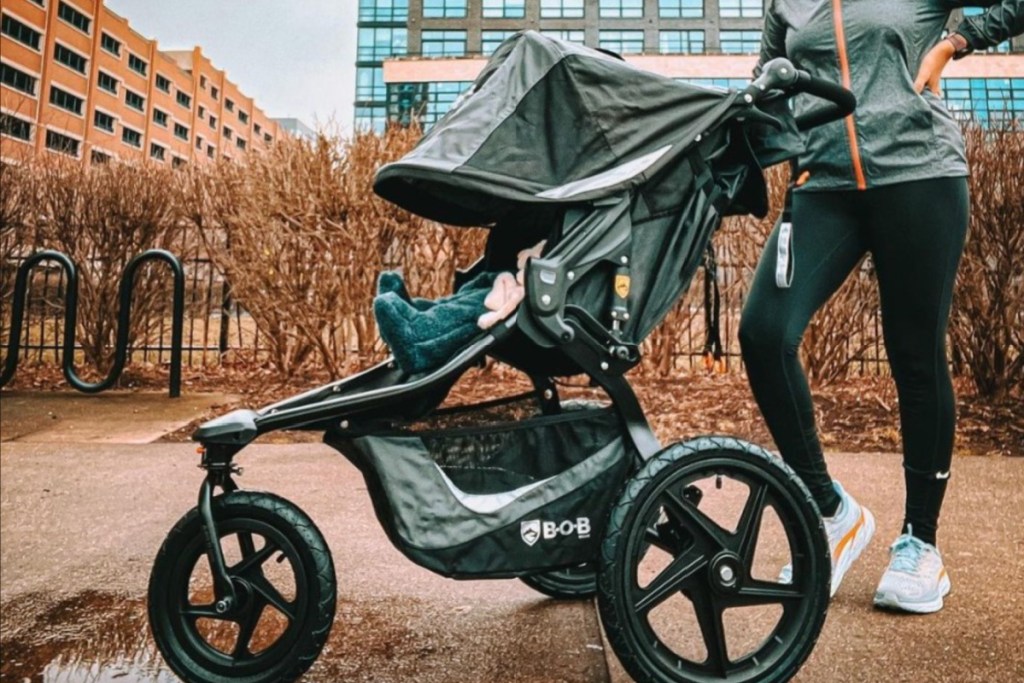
496, 498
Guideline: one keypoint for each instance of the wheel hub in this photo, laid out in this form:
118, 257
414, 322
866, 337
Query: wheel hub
725, 572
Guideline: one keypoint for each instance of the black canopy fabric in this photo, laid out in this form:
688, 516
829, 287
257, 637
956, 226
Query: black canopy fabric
551, 122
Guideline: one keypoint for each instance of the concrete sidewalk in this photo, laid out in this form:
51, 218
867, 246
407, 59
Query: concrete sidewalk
80, 524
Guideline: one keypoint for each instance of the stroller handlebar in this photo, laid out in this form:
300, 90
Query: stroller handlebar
780, 75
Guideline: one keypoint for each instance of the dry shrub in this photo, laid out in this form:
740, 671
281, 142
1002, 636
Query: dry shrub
987, 323
101, 217
301, 237
15, 234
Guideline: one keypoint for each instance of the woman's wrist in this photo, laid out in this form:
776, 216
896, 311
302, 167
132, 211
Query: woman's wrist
956, 46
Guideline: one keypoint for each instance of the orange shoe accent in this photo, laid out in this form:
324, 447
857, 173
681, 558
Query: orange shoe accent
804, 177
848, 537
844, 69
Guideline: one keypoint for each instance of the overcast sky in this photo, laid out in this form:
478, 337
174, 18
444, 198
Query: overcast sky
294, 57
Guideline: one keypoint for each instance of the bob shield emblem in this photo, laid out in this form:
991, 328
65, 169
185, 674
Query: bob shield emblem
622, 286
530, 531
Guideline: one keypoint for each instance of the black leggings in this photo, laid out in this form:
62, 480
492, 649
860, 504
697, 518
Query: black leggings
915, 233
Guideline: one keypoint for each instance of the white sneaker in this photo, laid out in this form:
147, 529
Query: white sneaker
849, 532
916, 580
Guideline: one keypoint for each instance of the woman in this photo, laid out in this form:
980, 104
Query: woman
889, 180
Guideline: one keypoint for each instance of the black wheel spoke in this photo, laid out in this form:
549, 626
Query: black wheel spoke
201, 612
685, 513
750, 522
754, 593
709, 617
653, 536
246, 544
257, 559
247, 626
674, 577
274, 597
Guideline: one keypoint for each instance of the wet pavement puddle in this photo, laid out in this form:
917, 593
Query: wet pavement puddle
92, 637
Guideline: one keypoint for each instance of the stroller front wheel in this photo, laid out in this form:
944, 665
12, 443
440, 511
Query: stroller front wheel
571, 583
688, 582
284, 582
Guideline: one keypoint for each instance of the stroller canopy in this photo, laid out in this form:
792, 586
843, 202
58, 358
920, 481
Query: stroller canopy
549, 122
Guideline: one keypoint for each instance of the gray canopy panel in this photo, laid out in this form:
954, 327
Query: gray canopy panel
550, 122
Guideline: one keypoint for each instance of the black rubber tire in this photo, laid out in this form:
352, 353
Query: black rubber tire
296, 539
571, 583
626, 623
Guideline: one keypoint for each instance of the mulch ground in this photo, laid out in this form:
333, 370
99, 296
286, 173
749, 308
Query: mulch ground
855, 415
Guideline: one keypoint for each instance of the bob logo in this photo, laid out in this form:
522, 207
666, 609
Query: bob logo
535, 529
530, 531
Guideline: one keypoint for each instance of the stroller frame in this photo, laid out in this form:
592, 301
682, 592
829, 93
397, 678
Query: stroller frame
549, 322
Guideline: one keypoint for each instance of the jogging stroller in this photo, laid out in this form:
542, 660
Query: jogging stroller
626, 174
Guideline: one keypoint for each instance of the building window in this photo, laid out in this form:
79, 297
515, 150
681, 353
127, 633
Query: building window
741, 42
622, 9
384, 10
74, 17
681, 9
213, 122
137, 64
240, 143
490, 40
20, 32
444, 43
268, 138
202, 112
989, 102
723, 83
741, 8
183, 99
110, 44
159, 117
444, 9
103, 121
504, 9
622, 42
17, 79
134, 100
210, 151
65, 100
370, 84
199, 142
377, 44
228, 133
256, 128
229, 105
177, 162
98, 157
156, 151
106, 82
681, 42
425, 103
561, 9
202, 82
568, 36
214, 93
15, 127
69, 58
62, 143
131, 137
163, 83
181, 131
243, 116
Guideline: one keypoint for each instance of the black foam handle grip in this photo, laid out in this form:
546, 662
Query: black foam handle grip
843, 102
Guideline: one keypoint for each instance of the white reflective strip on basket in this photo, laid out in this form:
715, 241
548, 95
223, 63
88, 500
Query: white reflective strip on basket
491, 502
612, 176
784, 257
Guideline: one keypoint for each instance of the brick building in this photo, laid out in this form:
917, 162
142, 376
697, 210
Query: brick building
416, 56
76, 79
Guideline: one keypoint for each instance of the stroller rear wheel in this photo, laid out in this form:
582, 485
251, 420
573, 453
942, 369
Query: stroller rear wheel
688, 586
283, 577
571, 583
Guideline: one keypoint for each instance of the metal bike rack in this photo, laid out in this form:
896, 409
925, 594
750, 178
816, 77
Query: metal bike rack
71, 316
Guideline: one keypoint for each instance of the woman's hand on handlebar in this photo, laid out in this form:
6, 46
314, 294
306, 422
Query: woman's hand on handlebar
931, 67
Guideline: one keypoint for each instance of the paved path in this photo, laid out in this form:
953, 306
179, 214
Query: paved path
80, 524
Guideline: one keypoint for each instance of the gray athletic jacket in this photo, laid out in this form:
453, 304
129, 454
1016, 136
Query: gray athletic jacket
875, 47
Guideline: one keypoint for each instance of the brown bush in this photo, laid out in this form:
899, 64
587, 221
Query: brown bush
987, 323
